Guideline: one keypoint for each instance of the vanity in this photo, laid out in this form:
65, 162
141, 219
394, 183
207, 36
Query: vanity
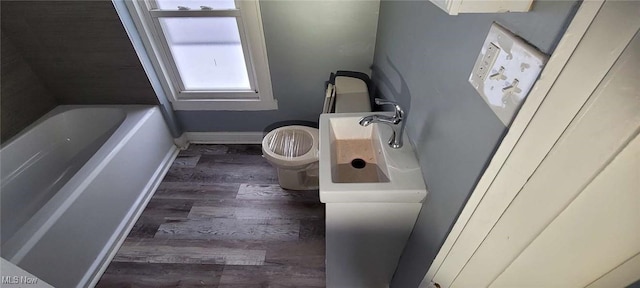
373, 194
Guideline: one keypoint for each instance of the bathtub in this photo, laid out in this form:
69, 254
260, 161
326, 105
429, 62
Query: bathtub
74, 183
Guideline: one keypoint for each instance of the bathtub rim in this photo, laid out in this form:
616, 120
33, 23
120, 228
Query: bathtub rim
115, 143
32, 231
64, 130
35, 228
59, 110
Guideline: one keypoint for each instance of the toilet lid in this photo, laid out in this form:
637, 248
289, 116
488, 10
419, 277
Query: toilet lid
291, 142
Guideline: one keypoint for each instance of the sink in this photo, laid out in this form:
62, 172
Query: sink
373, 195
357, 164
355, 153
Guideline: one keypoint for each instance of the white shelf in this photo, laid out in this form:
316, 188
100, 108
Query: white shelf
454, 7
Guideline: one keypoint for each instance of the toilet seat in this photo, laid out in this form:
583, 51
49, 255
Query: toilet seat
293, 150
293, 147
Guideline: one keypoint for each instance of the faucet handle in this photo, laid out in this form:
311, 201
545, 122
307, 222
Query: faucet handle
399, 113
381, 101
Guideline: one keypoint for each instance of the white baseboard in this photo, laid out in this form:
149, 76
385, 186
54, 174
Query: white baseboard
224, 137
182, 142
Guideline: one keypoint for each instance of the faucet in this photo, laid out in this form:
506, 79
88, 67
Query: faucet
394, 122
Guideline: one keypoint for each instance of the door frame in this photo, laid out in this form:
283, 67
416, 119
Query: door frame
573, 72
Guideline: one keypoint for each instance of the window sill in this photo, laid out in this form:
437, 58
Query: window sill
225, 104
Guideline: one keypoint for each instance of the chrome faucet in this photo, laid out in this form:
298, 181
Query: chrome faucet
395, 122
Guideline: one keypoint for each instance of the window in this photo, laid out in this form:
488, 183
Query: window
211, 52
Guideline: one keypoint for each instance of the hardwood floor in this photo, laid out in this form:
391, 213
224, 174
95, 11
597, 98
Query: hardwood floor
219, 219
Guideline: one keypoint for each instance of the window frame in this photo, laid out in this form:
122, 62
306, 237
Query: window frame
259, 97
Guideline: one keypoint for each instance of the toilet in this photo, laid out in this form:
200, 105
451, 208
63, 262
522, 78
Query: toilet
293, 149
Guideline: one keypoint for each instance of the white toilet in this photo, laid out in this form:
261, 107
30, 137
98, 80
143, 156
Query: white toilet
293, 150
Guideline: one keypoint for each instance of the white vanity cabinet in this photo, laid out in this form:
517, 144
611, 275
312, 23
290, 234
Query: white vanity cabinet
373, 195
365, 241
454, 7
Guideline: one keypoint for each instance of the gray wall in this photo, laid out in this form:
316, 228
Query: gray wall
306, 40
83, 55
423, 59
79, 49
23, 97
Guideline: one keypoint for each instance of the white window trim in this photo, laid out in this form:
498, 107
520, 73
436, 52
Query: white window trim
250, 21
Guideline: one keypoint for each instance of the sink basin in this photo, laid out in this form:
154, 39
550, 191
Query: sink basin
355, 153
357, 164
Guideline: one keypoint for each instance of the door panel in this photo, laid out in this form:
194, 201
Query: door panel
620, 276
604, 127
597, 231
597, 51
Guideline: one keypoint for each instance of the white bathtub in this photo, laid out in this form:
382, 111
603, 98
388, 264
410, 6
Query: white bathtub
73, 184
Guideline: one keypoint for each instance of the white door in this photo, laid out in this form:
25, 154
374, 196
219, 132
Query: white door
575, 220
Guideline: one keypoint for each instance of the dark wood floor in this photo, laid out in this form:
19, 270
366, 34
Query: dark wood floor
219, 219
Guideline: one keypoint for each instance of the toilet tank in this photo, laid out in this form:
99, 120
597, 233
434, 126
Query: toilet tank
351, 95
